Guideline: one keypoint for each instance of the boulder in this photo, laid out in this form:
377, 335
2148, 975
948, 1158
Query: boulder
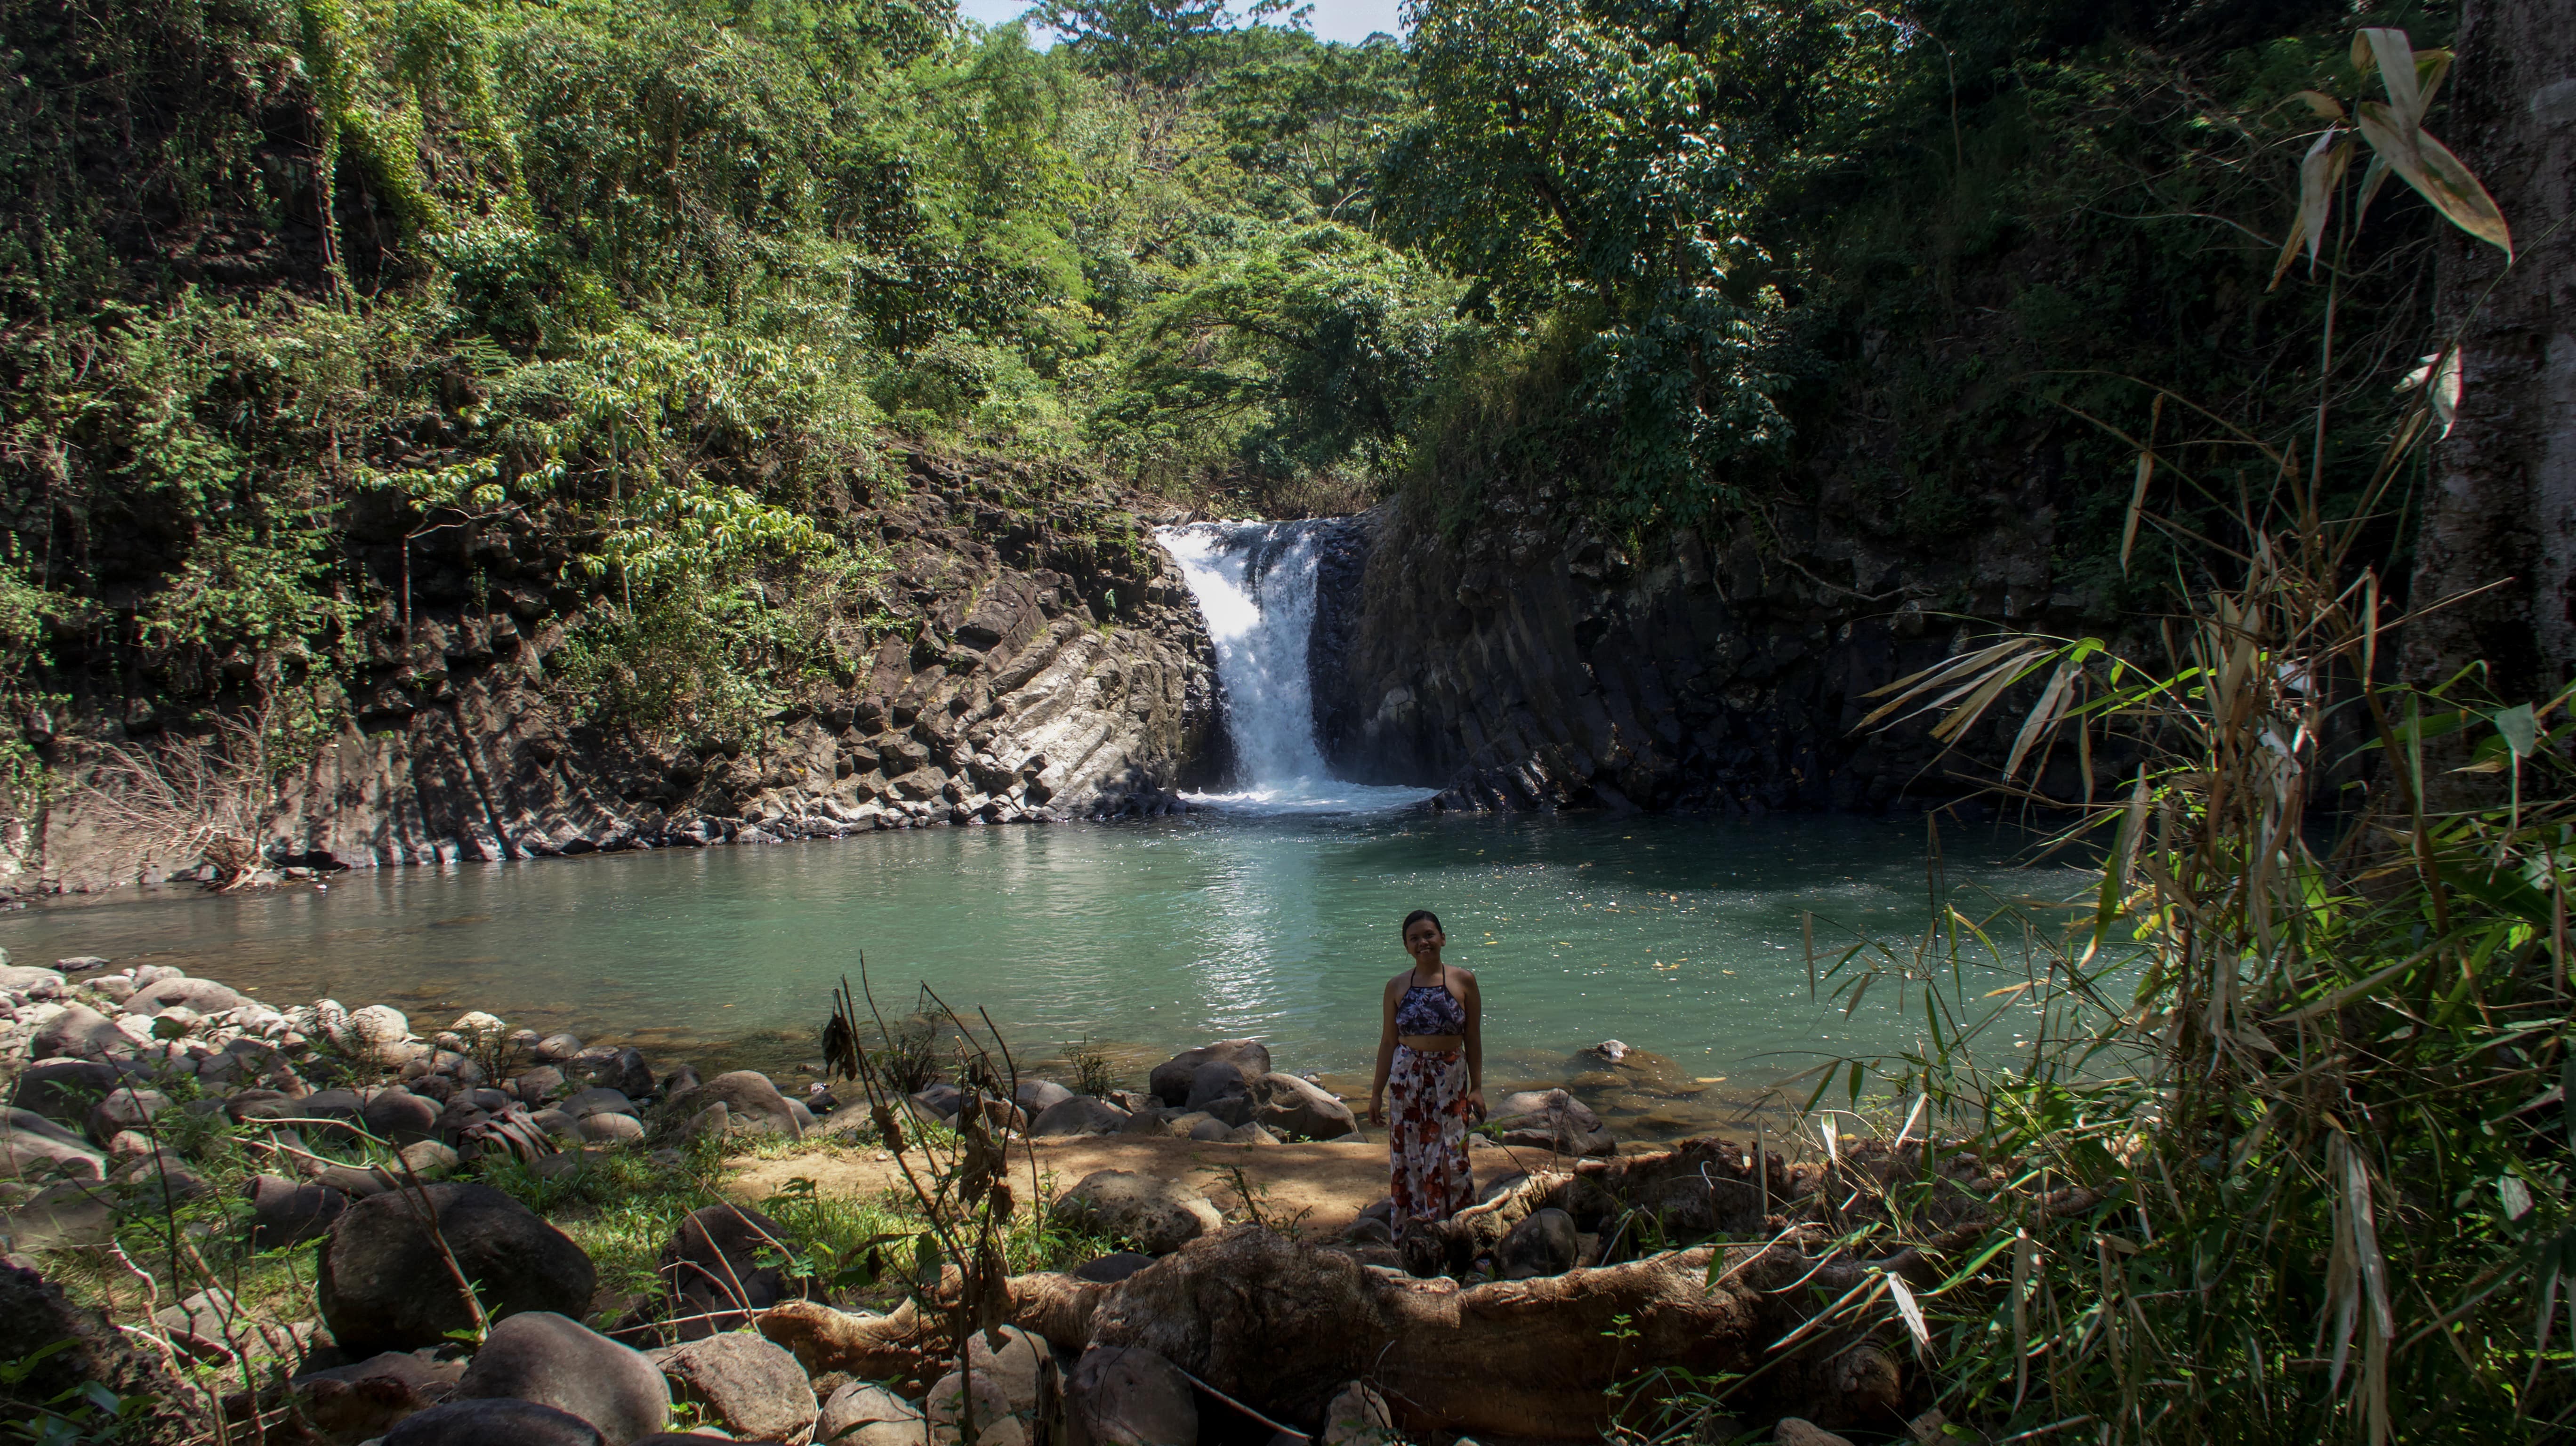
1300, 1109
1128, 1396
1209, 1129
428, 1158
359, 1401
61, 1217
27, 979
1022, 1368
79, 963
995, 1423
124, 1108
596, 1100
1215, 1080
1037, 1096
378, 1025
1116, 1266
496, 1421
1552, 1120
544, 1357
1171, 1080
401, 1117
538, 1085
1357, 1416
751, 1103
1077, 1115
753, 1385
63, 1089
79, 1032
711, 1265
202, 995
1798, 1431
861, 1414
622, 1070
1250, 1135
33, 1146
555, 1049
1543, 1242
334, 1115
382, 1284
1159, 1216
1146, 1121
288, 1212
607, 1128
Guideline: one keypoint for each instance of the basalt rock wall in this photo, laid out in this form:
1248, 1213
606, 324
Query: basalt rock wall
1030, 663
1526, 662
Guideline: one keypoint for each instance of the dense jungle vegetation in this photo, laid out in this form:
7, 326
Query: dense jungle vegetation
303, 298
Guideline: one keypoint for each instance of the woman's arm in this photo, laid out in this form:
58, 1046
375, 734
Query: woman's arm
1385, 1054
1475, 1002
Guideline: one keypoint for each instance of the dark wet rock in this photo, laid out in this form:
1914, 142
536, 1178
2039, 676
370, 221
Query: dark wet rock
64, 1089
1171, 1080
1544, 1242
545, 1357
336, 1115
400, 1117
538, 1085
555, 1049
753, 1385
1300, 1109
356, 1182
1078, 1115
711, 1266
1159, 1216
495, 1422
1116, 1266
1130, 1397
382, 1284
942, 1099
1210, 1129
622, 1070
290, 1212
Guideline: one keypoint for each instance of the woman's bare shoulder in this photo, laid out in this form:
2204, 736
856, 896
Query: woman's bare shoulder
1464, 973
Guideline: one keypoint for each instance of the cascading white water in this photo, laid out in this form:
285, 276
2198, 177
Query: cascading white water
1255, 586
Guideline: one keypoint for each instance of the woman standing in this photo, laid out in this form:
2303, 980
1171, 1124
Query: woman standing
1431, 1051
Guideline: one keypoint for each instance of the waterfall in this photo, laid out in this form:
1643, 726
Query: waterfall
1255, 587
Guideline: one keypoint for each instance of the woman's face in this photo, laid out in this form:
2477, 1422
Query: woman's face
1424, 939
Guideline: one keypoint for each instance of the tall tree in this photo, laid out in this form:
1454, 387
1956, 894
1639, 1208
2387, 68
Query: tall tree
2502, 509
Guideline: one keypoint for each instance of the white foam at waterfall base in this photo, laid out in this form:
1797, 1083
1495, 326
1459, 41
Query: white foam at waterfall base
1255, 586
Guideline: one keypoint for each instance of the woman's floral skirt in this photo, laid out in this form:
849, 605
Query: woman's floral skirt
1427, 1144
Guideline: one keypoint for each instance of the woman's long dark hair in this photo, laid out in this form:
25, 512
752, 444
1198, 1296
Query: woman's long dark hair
1416, 917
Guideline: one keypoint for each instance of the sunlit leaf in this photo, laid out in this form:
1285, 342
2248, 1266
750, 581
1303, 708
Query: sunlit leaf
2520, 729
2396, 57
2437, 175
2325, 106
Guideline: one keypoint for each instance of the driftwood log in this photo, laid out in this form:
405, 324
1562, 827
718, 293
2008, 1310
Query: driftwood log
1283, 1324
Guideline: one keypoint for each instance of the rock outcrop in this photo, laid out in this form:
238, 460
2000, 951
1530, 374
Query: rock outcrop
1033, 657
1533, 664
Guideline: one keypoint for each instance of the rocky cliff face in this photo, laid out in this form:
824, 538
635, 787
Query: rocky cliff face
1033, 663
1531, 664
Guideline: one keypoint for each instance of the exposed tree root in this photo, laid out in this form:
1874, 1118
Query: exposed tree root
1283, 1325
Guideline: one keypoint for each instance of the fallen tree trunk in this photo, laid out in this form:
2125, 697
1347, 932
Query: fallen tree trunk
1284, 1325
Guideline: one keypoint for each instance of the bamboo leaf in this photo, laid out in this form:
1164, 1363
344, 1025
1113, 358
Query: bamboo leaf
2423, 162
2325, 106
2320, 172
2043, 715
2396, 57
2146, 475
1911, 1310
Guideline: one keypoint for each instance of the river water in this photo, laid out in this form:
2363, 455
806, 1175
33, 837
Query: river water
1271, 913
